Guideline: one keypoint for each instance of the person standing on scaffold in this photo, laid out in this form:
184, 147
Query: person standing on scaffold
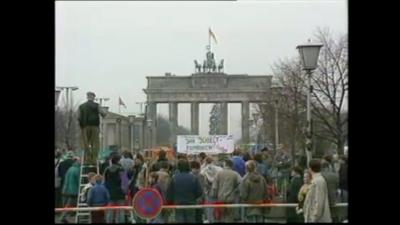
89, 121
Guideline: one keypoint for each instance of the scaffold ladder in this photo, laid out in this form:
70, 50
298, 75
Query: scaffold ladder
84, 216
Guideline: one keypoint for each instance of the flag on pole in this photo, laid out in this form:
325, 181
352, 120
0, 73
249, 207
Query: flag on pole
211, 34
121, 102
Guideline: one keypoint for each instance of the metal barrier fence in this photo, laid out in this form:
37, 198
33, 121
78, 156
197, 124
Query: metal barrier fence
289, 205
241, 206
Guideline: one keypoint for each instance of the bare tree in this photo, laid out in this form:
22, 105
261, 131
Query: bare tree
266, 112
291, 101
66, 126
164, 132
330, 88
59, 128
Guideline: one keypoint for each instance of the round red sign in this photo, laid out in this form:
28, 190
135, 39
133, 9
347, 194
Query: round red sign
147, 203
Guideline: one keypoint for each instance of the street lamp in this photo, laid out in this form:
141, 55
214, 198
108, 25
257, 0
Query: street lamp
74, 88
277, 92
309, 59
276, 124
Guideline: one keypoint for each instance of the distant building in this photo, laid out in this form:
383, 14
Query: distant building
123, 132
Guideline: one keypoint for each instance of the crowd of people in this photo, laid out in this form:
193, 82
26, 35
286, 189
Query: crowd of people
203, 179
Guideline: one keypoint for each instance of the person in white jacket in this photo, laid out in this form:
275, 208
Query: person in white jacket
316, 205
209, 171
88, 186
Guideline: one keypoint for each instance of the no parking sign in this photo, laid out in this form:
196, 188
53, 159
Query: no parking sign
147, 203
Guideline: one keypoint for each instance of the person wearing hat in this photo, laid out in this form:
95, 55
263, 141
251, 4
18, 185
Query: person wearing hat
89, 122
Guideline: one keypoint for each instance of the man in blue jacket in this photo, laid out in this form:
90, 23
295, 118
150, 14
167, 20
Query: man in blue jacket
238, 163
98, 196
184, 189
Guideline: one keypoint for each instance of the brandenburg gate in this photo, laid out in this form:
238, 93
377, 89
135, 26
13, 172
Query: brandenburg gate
209, 84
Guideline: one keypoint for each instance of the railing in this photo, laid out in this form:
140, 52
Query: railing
275, 217
285, 205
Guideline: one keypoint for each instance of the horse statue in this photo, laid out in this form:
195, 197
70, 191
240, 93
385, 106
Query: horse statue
197, 66
221, 66
204, 66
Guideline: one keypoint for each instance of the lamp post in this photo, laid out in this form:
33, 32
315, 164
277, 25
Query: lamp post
277, 92
74, 88
309, 53
276, 125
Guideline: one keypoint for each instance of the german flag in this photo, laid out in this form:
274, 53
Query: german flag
211, 34
121, 103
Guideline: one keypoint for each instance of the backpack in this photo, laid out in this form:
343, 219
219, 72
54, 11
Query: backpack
85, 193
115, 177
231, 196
209, 174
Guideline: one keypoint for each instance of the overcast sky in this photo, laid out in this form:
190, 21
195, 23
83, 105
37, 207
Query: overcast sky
110, 47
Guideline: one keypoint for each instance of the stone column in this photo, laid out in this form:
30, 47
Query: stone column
152, 115
138, 133
173, 121
245, 122
224, 118
141, 133
194, 120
